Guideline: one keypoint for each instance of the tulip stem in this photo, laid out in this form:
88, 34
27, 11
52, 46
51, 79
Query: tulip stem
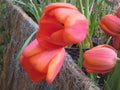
109, 39
90, 40
65, 1
81, 6
87, 9
118, 53
91, 75
80, 59
118, 59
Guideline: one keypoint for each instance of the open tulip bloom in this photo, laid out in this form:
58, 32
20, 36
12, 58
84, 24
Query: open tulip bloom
100, 59
61, 24
40, 63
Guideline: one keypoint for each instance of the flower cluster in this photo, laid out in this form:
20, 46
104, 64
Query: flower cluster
60, 25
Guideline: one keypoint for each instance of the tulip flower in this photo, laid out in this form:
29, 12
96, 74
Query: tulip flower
41, 63
110, 23
61, 24
100, 59
116, 42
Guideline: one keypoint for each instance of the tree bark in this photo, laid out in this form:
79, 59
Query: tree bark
17, 23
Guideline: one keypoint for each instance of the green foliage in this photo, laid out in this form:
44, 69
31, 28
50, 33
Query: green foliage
34, 8
31, 7
25, 44
113, 78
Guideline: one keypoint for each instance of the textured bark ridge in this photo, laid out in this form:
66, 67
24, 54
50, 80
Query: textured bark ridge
13, 77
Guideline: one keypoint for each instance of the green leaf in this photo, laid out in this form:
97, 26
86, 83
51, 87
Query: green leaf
114, 78
25, 44
107, 86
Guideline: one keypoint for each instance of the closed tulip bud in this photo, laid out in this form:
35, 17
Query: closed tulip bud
110, 23
61, 24
40, 63
100, 59
116, 42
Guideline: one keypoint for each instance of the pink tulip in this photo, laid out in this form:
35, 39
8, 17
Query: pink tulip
100, 59
42, 63
61, 24
110, 23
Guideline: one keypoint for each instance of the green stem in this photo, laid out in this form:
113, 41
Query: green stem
118, 53
92, 76
80, 59
65, 1
108, 41
90, 40
91, 8
81, 6
118, 59
87, 9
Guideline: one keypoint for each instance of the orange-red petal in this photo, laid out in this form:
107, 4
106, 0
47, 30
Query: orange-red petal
32, 49
55, 65
76, 27
33, 74
41, 61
